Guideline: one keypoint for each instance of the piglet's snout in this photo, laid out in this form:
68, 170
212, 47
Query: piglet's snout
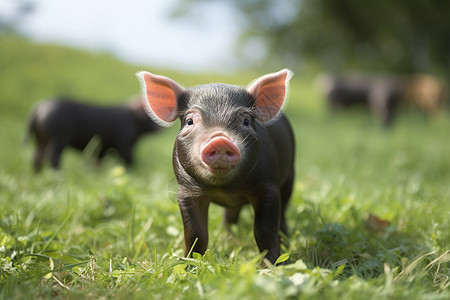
220, 154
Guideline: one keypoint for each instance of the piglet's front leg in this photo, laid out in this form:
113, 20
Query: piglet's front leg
267, 224
194, 212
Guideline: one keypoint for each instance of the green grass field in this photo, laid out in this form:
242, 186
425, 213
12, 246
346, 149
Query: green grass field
102, 232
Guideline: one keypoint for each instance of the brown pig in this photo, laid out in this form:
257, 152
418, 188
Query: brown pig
234, 147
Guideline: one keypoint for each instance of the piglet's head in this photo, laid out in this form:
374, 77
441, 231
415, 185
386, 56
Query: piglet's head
218, 137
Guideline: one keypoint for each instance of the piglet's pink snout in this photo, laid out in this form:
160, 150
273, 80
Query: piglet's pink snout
220, 154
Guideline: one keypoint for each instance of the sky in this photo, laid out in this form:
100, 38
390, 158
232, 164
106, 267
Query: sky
137, 31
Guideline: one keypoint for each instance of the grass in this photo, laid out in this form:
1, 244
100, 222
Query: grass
86, 232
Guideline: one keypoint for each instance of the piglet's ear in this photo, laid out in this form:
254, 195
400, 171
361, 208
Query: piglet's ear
270, 93
161, 94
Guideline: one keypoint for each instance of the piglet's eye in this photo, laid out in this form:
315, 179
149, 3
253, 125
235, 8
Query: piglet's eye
246, 122
190, 121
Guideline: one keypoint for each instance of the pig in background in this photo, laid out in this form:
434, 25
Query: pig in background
383, 96
424, 92
234, 147
62, 122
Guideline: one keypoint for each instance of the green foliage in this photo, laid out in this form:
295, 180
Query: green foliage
389, 36
104, 232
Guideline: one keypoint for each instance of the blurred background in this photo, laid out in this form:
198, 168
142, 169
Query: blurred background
138, 31
383, 36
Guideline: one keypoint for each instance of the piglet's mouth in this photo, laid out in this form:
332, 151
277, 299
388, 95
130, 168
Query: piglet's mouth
220, 154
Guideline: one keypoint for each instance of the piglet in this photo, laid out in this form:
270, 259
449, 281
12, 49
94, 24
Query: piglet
234, 147
60, 123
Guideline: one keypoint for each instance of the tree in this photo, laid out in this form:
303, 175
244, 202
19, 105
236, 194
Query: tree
398, 36
20, 9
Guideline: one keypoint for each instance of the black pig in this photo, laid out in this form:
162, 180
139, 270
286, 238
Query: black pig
381, 95
59, 123
234, 147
